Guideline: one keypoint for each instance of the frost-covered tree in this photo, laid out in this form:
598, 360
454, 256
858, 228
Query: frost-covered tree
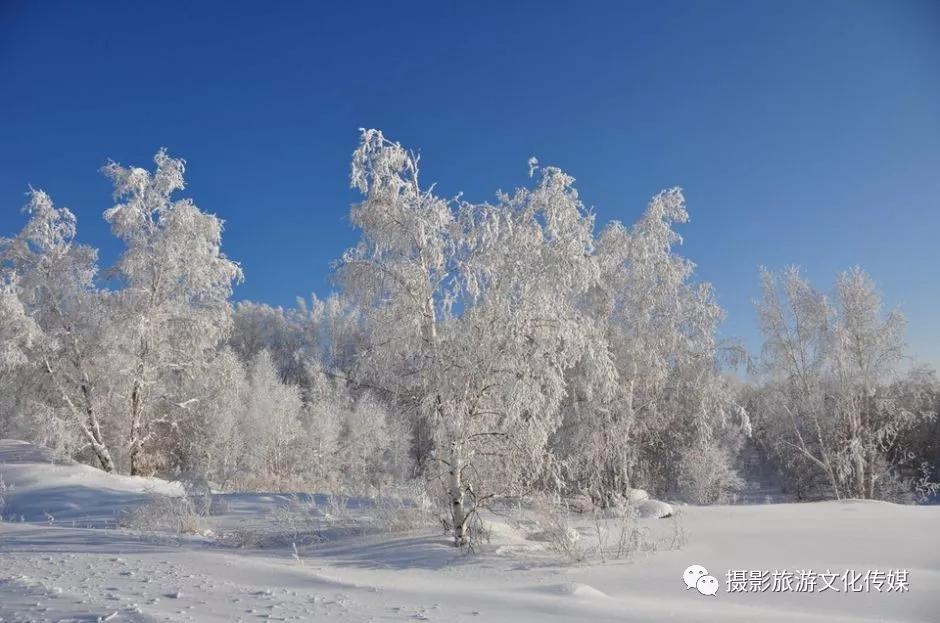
352, 442
19, 335
795, 325
831, 401
172, 311
399, 276
199, 444
371, 445
916, 452
271, 422
50, 278
18, 331
865, 348
472, 317
325, 401
666, 404
324, 330
332, 330
259, 327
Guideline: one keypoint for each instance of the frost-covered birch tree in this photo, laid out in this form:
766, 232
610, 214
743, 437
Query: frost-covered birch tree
664, 397
172, 311
271, 422
18, 331
401, 276
49, 278
472, 317
831, 401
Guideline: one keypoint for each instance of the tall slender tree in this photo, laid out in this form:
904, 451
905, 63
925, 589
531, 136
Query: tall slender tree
173, 307
53, 278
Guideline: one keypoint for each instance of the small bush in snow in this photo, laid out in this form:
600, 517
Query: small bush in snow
241, 538
620, 532
925, 489
706, 475
164, 513
412, 510
299, 521
547, 519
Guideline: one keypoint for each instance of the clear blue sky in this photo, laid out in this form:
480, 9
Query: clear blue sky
802, 132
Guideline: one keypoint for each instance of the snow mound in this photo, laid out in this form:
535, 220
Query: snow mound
41, 488
508, 540
574, 589
567, 534
637, 495
654, 508
501, 532
14, 451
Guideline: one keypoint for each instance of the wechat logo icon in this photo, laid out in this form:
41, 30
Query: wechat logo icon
696, 576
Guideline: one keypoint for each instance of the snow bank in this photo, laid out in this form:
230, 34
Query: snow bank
654, 508
43, 488
57, 572
574, 589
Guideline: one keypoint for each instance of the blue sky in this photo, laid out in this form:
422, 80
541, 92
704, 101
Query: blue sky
802, 132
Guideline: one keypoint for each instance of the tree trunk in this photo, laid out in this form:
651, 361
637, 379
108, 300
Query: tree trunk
94, 436
857, 451
104, 457
136, 442
137, 408
88, 421
827, 460
460, 517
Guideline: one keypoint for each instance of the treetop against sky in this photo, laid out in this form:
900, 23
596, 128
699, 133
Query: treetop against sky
801, 133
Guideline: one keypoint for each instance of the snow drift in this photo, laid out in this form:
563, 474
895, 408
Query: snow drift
43, 488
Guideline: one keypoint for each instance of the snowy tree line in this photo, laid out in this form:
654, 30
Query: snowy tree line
488, 349
834, 412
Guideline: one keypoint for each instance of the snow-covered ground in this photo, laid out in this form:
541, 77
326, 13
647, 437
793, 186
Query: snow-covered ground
54, 567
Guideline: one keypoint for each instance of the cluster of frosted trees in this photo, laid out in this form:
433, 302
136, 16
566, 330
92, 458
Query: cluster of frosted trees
122, 376
833, 413
137, 369
487, 349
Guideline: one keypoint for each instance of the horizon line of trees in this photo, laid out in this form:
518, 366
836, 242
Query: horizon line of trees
489, 349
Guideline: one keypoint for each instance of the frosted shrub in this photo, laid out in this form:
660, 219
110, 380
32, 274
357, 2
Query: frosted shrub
299, 521
605, 534
174, 514
304, 520
554, 518
241, 537
395, 516
412, 510
706, 475
925, 489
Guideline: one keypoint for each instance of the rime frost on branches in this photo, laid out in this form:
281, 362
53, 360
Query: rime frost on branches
493, 349
173, 310
493, 323
52, 277
832, 402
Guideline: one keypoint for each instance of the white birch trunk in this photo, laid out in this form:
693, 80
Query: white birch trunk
460, 514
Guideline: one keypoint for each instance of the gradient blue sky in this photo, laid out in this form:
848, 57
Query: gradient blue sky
802, 132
